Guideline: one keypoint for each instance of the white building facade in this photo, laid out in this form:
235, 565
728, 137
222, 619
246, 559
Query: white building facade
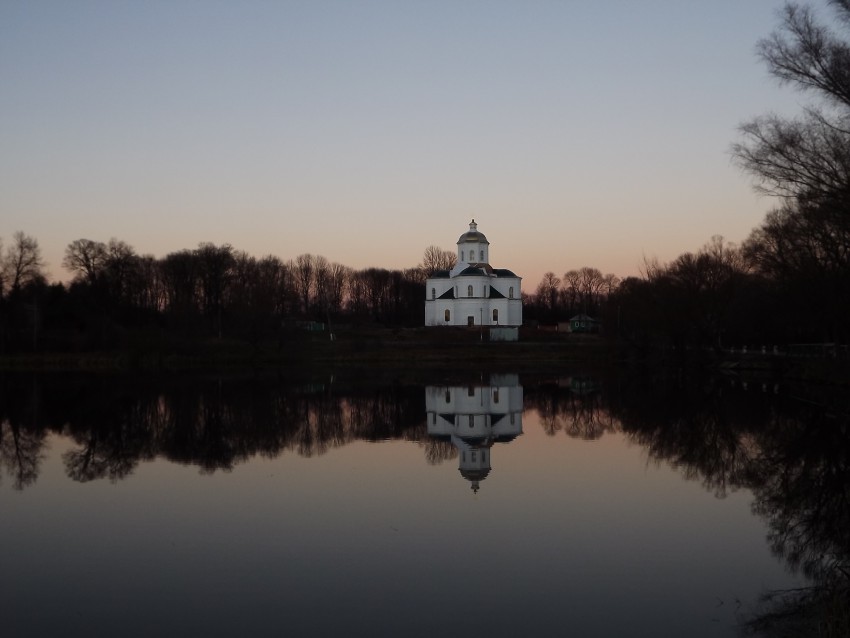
473, 293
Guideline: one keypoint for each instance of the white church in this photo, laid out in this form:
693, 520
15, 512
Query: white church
473, 293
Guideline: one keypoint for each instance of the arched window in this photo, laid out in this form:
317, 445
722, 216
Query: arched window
433, 293
448, 314
469, 290
511, 292
461, 255
482, 256
496, 315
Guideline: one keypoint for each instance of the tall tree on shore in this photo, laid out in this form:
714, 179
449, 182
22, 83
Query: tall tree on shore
22, 263
85, 259
804, 245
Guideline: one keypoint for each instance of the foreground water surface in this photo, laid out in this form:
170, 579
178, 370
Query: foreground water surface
499, 505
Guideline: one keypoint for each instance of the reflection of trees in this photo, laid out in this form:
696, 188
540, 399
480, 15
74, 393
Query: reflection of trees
802, 484
794, 456
700, 428
581, 415
438, 450
21, 452
22, 437
118, 434
214, 424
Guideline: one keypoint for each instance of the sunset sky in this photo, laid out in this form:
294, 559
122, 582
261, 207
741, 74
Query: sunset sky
575, 133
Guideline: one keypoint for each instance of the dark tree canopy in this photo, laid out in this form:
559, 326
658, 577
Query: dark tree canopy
804, 245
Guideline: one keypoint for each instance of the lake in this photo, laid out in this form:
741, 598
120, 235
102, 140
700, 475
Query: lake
587, 504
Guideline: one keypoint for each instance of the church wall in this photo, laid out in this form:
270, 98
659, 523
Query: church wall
435, 312
509, 311
478, 309
514, 312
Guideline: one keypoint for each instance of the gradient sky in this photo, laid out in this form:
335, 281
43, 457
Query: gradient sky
575, 133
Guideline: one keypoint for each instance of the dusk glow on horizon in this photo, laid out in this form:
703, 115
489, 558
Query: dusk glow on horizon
576, 134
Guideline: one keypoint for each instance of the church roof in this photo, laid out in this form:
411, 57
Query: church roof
440, 274
473, 236
475, 475
503, 272
449, 294
475, 270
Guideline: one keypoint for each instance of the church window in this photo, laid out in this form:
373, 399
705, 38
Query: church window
482, 255
471, 421
448, 396
433, 418
461, 255
448, 314
469, 291
470, 391
433, 293
496, 395
511, 292
496, 314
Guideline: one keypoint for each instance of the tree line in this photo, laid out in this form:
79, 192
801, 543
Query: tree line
209, 291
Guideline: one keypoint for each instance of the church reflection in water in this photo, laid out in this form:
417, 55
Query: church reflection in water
473, 418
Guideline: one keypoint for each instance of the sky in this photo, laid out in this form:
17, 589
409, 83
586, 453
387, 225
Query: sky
575, 133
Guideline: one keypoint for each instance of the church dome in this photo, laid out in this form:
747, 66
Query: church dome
473, 235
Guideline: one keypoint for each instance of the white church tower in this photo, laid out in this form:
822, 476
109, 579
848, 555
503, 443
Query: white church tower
473, 293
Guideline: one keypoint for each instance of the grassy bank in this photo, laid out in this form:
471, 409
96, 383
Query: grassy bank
426, 349
349, 348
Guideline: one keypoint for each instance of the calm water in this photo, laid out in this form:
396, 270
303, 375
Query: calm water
496, 505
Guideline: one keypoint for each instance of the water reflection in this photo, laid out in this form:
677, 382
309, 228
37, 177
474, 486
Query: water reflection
215, 424
788, 447
473, 418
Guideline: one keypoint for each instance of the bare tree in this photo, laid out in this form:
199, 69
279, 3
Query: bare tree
321, 275
86, 259
338, 276
806, 158
435, 258
22, 263
179, 274
548, 291
215, 265
804, 245
120, 268
303, 271
572, 291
